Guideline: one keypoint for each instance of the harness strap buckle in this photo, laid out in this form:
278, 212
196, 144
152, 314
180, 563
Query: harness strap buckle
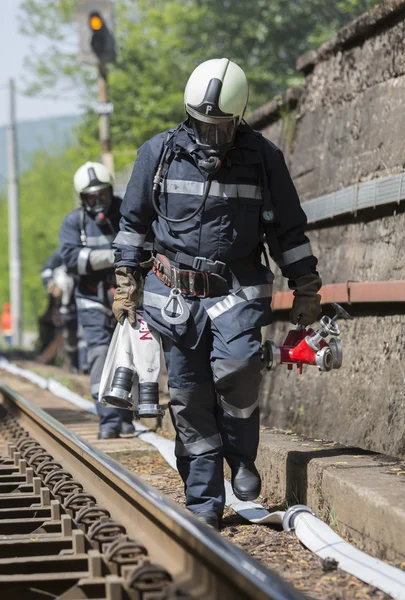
205, 265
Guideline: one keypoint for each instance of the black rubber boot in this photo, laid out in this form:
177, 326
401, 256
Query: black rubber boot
246, 482
108, 433
210, 518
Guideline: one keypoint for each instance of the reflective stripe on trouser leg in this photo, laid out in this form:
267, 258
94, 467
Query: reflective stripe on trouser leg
237, 383
192, 407
108, 416
198, 447
193, 414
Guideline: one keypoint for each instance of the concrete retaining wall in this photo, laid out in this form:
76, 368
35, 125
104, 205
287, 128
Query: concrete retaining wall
347, 125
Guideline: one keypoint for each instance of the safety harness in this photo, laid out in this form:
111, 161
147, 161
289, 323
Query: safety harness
206, 278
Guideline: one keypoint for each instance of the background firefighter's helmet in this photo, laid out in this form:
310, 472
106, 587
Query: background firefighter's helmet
215, 98
93, 183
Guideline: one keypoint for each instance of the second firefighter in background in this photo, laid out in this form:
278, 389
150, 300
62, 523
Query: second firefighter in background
85, 238
209, 191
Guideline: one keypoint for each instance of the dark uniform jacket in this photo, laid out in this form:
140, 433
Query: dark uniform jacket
229, 228
86, 251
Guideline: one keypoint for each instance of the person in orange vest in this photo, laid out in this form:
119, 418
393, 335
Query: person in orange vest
6, 327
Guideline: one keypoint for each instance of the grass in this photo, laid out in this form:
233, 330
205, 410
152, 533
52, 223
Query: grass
334, 521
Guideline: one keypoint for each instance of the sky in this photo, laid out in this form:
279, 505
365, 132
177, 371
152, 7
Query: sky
13, 49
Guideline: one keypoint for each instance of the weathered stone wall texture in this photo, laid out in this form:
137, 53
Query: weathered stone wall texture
350, 127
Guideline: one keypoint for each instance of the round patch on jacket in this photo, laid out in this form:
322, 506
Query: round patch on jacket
268, 216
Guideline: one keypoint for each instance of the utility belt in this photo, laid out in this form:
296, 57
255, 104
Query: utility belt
208, 279
196, 283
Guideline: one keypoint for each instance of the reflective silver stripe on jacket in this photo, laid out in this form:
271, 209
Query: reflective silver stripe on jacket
82, 259
69, 348
220, 190
101, 259
46, 273
99, 240
86, 304
247, 293
129, 238
157, 301
295, 254
240, 413
200, 446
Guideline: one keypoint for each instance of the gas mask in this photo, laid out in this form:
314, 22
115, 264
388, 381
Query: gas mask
215, 139
97, 201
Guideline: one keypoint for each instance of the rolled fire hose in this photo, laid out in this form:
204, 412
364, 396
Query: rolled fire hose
311, 531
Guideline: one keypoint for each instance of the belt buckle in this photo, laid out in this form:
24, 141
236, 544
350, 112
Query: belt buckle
206, 265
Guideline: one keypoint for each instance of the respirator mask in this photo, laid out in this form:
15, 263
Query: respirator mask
97, 201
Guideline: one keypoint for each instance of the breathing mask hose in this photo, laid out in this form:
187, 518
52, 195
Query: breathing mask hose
155, 194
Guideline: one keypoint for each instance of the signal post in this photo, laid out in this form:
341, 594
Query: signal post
97, 47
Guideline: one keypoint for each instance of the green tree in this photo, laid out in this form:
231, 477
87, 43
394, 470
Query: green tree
161, 41
46, 196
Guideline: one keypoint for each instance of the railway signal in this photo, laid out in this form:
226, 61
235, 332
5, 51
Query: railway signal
102, 40
96, 32
97, 48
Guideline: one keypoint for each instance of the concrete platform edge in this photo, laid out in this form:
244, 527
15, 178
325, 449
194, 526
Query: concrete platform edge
359, 493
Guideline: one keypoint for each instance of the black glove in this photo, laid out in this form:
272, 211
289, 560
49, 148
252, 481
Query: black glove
306, 307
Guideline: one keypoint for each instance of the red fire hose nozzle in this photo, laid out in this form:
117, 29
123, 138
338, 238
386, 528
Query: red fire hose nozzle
308, 347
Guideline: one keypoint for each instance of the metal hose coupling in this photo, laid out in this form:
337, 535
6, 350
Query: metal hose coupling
119, 394
148, 402
292, 512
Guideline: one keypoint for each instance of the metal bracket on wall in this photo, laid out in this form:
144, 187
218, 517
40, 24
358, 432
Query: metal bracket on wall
369, 194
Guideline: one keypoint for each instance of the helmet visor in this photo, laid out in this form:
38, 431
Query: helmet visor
101, 197
214, 135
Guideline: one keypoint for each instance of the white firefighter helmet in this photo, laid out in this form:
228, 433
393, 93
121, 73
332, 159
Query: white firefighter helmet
93, 183
215, 98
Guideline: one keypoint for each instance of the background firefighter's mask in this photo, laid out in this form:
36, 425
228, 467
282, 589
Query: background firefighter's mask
97, 201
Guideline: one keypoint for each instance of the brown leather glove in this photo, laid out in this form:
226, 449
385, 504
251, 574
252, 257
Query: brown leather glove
53, 289
128, 295
306, 307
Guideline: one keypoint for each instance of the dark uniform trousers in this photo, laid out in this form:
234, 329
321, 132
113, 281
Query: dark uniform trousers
214, 419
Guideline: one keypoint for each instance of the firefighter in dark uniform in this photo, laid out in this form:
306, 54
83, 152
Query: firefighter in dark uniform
86, 236
210, 191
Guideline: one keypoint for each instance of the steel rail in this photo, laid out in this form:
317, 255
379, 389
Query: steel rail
205, 565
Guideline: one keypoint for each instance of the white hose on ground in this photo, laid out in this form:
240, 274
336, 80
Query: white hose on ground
311, 531
325, 543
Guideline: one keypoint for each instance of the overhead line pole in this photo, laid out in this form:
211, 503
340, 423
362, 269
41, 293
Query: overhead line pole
14, 252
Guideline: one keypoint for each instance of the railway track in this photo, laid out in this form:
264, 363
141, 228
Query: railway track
75, 524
